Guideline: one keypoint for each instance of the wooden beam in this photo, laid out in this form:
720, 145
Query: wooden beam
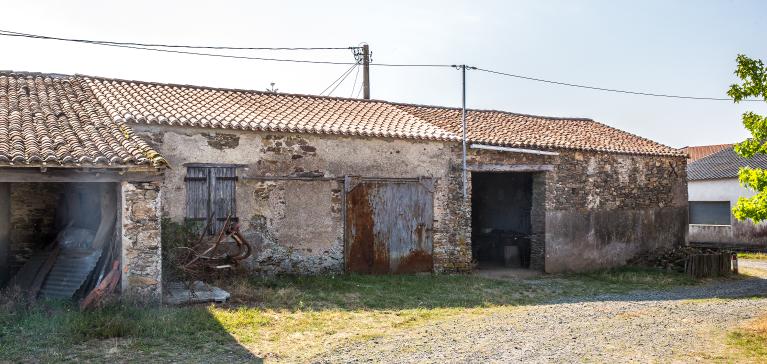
5, 231
512, 150
511, 167
77, 175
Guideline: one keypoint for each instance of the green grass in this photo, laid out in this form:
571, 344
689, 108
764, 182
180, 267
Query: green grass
751, 255
289, 318
750, 341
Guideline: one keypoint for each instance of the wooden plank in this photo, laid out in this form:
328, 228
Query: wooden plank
510, 167
5, 231
77, 175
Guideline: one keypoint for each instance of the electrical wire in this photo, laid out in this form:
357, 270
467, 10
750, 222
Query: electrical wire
342, 81
606, 89
343, 75
360, 91
36, 36
219, 55
158, 48
354, 84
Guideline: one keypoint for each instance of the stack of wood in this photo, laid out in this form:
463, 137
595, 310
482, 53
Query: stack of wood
719, 264
675, 259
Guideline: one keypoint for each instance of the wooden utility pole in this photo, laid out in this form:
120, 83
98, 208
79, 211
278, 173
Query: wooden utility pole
463, 127
366, 71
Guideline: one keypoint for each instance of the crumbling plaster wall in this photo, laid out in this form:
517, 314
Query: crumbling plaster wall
601, 209
290, 189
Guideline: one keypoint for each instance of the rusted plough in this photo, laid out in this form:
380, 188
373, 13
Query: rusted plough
225, 252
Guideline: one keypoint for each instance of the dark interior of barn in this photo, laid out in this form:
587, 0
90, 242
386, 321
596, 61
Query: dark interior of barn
61, 239
501, 219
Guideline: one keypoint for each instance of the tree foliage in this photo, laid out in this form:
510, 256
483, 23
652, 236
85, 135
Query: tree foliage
753, 76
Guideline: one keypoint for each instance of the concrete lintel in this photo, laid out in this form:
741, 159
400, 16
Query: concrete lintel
510, 167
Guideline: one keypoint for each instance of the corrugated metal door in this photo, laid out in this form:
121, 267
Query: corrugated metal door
389, 227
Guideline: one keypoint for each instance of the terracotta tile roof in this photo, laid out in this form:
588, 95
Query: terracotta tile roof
530, 131
697, 152
723, 164
147, 102
154, 103
52, 120
83, 119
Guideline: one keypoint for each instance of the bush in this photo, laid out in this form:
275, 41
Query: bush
177, 242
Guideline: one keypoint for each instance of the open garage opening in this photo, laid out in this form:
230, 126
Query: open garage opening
59, 238
507, 220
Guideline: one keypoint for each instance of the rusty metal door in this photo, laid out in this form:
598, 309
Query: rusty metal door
389, 226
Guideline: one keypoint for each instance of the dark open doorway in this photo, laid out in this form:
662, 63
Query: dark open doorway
59, 238
502, 206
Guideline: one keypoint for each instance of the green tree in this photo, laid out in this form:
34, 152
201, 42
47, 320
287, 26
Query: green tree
753, 75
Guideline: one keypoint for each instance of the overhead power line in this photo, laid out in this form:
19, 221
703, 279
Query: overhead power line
606, 89
340, 79
175, 50
219, 55
36, 36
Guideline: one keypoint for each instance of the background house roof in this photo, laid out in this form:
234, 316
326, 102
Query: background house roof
722, 164
146, 102
697, 152
48, 119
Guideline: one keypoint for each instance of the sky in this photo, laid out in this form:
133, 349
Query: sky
671, 47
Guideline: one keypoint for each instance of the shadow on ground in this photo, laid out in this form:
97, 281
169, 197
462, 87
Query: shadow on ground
51, 331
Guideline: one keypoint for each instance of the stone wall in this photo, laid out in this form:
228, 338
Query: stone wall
590, 209
141, 248
33, 218
601, 209
290, 196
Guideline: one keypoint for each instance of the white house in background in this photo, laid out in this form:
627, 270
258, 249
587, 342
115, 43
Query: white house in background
713, 190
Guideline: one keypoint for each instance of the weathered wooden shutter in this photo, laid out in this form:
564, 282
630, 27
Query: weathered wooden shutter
211, 194
197, 194
222, 192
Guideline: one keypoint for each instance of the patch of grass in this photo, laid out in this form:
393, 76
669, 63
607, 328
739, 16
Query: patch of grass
752, 255
290, 318
750, 341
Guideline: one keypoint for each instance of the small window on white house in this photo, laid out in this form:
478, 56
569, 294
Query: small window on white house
710, 212
210, 195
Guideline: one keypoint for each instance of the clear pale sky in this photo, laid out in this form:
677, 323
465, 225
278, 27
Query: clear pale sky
673, 47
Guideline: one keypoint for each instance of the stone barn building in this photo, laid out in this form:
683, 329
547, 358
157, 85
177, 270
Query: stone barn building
328, 185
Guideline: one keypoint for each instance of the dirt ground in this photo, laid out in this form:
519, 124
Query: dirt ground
687, 324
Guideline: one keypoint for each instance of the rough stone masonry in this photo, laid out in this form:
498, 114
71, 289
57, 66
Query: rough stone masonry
590, 209
141, 246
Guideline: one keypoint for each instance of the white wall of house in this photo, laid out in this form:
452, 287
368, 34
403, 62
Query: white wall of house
737, 232
717, 190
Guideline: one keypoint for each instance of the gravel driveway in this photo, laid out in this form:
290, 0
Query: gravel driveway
686, 324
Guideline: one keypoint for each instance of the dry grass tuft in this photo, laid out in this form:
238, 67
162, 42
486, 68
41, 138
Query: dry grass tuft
750, 341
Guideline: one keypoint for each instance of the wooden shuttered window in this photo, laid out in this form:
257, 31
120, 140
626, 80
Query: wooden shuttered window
210, 192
